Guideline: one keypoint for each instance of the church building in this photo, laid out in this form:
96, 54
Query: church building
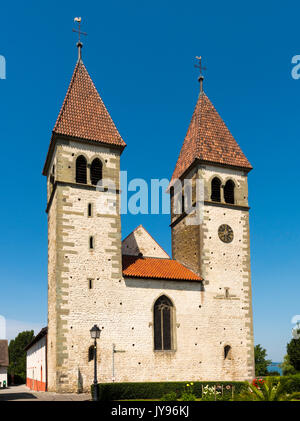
186, 317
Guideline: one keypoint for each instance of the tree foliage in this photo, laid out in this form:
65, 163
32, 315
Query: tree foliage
17, 354
293, 350
286, 366
261, 363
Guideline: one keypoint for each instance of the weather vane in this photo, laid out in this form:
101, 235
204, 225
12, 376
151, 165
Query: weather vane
79, 43
201, 68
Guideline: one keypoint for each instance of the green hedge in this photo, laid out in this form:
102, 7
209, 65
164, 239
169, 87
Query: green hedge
291, 383
155, 390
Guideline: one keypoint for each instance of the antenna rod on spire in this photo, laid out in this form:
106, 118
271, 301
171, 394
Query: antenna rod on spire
79, 43
201, 68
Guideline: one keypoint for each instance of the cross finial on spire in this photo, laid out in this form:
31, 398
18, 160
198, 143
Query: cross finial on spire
201, 68
79, 43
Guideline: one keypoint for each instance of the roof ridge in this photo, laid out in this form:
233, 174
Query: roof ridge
66, 96
134, 256
99, 98
147, 232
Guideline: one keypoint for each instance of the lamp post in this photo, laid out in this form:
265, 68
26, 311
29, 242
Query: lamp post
95, 334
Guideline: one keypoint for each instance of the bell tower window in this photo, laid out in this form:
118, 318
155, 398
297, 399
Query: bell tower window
216, 190
81, 170
96, 171
229, 192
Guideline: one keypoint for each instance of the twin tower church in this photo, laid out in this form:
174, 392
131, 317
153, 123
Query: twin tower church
181, 318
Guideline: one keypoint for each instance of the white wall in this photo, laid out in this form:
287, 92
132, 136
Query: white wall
36, 361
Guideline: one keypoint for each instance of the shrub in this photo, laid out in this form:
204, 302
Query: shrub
188, 393
293, 397
286, 366
155, 390
293, 350
172, 396
263, 390
291, 384
188, 396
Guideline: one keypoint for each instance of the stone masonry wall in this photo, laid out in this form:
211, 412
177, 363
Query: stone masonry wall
71, 262
224, 267
204, 321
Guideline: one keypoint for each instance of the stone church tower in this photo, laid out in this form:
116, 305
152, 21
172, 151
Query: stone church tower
84, 246
185, 318
218, 248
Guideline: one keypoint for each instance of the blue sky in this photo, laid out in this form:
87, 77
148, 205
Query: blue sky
141, 58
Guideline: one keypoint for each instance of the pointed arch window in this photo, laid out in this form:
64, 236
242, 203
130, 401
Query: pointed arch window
216, 190
96, 171
81, 170
227, 352
229, 192
163, 324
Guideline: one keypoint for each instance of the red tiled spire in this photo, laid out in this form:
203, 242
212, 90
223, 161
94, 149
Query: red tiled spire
208, 139
83, 114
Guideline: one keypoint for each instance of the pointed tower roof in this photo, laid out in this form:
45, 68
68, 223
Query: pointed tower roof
83, 115
208, 139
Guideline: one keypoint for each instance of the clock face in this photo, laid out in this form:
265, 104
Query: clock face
225, 233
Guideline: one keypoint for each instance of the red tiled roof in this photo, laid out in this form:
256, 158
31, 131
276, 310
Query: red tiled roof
208, 139
155, 268
83, 114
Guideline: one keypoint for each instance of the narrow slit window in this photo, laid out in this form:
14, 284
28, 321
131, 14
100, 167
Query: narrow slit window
172, 197
91, 283
91, 243
52, 175
89, 209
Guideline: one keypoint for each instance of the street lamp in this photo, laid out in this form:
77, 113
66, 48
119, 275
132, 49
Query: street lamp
95, 334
